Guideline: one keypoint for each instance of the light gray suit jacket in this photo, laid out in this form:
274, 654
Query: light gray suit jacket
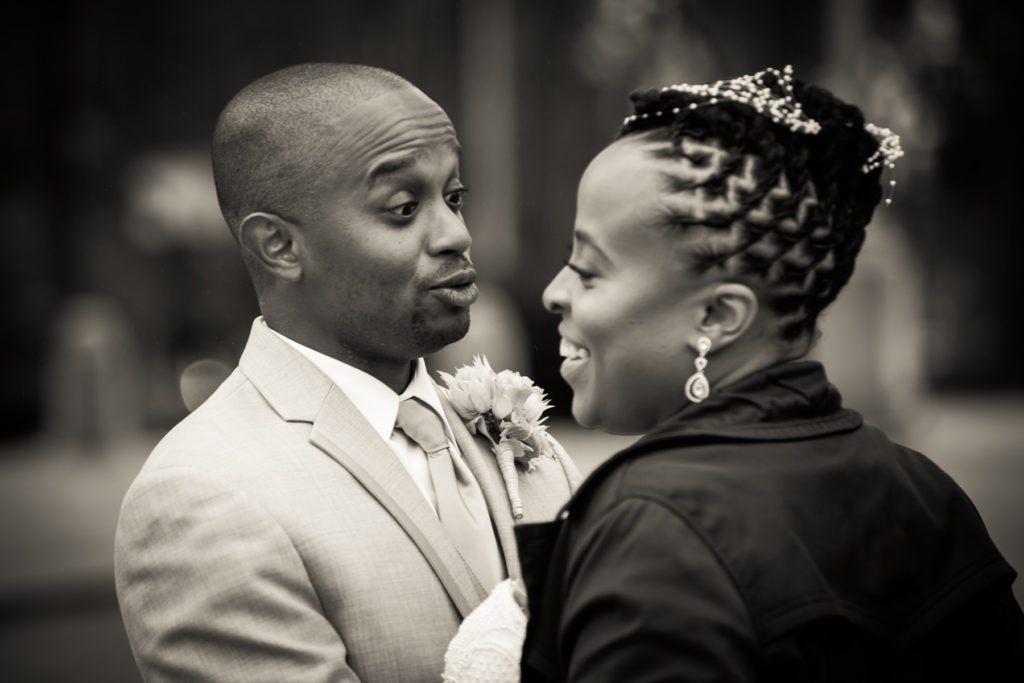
273, 536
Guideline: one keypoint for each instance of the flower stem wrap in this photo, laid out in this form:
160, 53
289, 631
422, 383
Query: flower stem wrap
506, 408
507, 464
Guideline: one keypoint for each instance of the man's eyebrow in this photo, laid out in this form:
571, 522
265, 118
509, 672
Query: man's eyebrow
392, 166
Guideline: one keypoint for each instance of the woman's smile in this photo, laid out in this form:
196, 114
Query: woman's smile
624, 296
575, 358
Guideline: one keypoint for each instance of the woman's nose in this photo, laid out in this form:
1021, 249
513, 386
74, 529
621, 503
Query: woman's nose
556, 294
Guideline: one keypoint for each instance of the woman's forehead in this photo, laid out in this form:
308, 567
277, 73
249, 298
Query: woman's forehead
628, 181
620, 200
689, 181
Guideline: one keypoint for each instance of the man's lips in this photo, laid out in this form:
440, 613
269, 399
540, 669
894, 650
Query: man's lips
461, 279
457, 290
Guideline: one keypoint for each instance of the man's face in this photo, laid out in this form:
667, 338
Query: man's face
386, 273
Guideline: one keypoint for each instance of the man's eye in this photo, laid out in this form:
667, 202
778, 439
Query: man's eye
456, 198
405, 210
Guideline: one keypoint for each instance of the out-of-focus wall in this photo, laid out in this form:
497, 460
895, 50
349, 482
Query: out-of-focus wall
107, 183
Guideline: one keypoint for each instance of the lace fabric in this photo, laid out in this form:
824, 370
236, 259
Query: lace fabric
489, 643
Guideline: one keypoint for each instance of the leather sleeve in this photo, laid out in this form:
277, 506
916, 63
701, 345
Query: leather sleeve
1003, 638
647, 600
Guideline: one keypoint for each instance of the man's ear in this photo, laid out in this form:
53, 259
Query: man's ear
730, 310
274, 243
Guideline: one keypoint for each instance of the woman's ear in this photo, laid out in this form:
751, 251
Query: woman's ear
273, 243
730, 310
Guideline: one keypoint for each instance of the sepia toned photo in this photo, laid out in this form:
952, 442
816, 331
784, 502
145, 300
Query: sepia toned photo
481, 341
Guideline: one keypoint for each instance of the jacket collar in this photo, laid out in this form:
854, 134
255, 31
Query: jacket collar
293, 386
785, 401
780, 403
299, 392
481, 462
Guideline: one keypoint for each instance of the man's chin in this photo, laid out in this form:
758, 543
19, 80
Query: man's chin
433, 334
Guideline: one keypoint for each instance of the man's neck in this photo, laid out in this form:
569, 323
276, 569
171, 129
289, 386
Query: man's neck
395, 373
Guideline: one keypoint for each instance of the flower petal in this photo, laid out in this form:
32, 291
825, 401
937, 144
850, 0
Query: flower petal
502, 405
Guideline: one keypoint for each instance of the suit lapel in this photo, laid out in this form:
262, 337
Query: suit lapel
341, 431
299, 392
476, 451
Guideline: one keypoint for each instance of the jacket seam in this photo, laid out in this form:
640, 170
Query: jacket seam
955, 582
668, 507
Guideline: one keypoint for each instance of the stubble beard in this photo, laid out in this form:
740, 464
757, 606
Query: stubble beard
431, 338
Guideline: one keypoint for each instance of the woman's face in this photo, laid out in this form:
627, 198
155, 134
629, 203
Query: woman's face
627, 301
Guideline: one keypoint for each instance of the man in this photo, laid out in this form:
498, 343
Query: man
294, 526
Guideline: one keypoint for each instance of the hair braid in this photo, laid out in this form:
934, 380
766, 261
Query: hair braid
786, 209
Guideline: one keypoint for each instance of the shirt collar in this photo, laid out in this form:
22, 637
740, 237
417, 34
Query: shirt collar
374, 399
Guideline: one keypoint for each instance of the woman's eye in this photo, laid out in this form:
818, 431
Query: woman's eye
405, 210
584, 275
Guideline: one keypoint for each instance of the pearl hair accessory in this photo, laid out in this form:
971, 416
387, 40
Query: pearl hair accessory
888, 151
756, 91
760, 91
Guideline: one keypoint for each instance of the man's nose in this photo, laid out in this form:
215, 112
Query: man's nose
449, 234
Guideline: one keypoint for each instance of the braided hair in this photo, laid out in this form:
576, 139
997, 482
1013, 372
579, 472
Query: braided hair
785, 211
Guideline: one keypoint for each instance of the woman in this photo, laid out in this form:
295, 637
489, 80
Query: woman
759, 531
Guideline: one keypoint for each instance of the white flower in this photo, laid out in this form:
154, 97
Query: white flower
534, 406
506, 408
502, 406
511, 379
471, 390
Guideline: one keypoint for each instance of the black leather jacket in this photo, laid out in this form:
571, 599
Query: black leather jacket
767, 534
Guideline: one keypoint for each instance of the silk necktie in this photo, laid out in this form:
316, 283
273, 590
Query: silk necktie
460, 502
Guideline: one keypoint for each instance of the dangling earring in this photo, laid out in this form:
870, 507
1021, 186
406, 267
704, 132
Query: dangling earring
697, 387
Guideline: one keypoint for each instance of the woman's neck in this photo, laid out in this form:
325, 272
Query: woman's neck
741, 360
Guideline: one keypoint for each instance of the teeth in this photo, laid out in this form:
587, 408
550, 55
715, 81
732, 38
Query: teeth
567, 349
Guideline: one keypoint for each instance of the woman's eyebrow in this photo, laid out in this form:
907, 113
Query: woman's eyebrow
586, 238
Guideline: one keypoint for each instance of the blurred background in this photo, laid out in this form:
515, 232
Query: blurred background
125, 302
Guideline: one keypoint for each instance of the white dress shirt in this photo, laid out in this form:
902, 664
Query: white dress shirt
379, 405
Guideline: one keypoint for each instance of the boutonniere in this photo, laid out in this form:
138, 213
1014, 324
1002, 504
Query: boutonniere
506, 408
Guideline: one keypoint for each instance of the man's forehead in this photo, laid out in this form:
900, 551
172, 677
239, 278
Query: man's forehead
391, 127
388, 165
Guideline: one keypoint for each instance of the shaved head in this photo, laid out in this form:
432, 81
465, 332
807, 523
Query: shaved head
272, 145
341, 184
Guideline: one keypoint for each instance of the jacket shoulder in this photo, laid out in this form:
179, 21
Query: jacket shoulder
234, 417
818, 528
